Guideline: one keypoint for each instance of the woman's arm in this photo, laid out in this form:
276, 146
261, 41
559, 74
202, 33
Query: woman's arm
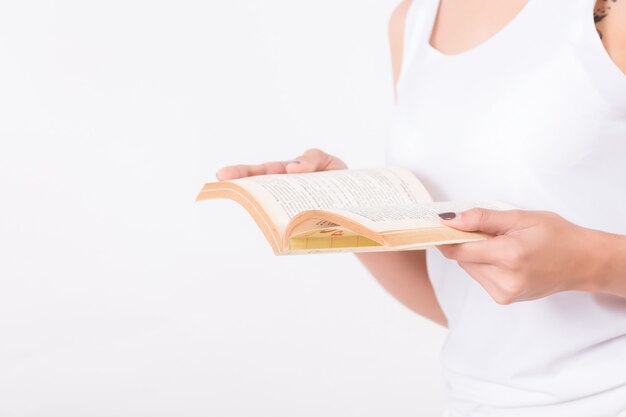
610, 18
609, 251
404, 274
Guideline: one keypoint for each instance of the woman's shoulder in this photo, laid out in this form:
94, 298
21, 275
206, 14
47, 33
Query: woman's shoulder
610, 19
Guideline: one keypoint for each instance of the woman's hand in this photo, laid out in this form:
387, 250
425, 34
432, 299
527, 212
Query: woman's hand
534, 253
310, 161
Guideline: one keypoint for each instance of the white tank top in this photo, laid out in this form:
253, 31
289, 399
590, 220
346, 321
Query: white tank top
535, 116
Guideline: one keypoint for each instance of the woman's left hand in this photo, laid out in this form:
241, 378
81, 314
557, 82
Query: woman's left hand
534, 253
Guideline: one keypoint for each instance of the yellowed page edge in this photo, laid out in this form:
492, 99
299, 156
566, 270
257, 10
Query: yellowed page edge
306, 222
230, 191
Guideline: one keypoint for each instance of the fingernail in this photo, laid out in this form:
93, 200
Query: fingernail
217, 175
294, 161
447, 215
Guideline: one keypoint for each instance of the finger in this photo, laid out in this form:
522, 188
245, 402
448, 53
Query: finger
312, 160
486, 276
240, 171
496, 222
503, 287
489, 251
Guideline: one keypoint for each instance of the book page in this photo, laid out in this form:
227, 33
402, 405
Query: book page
285, 195
412, 216
333, 238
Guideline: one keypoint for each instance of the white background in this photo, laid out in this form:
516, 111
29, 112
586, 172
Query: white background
121, 297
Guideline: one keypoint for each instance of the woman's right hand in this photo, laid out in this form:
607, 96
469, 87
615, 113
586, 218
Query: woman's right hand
312, 160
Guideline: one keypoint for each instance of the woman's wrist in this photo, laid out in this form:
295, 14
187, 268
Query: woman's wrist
607, 255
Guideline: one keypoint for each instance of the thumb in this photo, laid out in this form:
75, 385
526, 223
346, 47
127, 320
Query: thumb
497, 222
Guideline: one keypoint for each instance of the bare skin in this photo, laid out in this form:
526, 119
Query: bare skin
472, 21
460, 26
610, 18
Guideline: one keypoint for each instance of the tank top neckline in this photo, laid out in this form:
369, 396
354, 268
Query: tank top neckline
491, 42
558, 25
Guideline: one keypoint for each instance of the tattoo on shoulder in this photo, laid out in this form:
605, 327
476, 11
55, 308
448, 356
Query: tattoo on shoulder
602, 9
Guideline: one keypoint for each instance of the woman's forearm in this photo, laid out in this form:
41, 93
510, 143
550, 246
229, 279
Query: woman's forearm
610, 256
404, 275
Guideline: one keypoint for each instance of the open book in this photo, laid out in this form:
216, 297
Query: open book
351, 210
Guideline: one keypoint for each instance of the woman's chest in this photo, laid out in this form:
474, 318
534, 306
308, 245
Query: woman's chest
536, 124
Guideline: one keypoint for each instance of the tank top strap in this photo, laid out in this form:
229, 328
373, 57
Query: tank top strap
581, 18
419, 22
417, 28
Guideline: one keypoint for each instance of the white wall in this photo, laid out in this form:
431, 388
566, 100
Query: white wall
117, 298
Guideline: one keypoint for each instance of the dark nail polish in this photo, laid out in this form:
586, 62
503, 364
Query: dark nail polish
448, 215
